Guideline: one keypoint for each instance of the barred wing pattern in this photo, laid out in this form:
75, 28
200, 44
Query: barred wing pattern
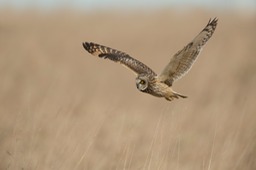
118, 56
183, 60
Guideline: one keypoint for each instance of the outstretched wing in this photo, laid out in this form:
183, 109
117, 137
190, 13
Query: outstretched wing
117, 56
183, 60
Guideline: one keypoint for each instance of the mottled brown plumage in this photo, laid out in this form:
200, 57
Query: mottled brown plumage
118, 56
147, 80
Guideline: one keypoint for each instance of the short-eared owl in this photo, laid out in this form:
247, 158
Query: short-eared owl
147, 80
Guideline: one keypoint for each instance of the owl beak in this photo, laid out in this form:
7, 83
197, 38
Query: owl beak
137, 83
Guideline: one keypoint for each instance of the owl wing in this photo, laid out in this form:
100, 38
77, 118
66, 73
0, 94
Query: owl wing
183, 60
117, 56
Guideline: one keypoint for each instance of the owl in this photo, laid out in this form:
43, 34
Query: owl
147, 80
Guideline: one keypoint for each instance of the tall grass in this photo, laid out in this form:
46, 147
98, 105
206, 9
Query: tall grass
62, 108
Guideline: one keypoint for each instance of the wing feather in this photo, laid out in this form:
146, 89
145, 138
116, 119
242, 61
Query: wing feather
117, 56
183, 60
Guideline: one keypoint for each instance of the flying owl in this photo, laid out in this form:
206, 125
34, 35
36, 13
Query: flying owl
147, 80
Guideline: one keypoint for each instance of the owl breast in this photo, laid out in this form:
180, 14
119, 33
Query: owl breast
157, 89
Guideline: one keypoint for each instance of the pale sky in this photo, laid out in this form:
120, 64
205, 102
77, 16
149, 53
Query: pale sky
131, 4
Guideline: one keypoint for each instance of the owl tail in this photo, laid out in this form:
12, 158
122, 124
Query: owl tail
177, 95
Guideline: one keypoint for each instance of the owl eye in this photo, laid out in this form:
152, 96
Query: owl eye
142, 82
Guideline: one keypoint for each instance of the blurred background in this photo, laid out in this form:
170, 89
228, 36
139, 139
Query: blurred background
62, 108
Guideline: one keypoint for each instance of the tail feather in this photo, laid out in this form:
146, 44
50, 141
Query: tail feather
179, 95
176, 96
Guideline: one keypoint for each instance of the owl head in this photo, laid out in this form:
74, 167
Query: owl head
142, 82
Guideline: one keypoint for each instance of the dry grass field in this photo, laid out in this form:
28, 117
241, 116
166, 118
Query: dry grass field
62, 108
